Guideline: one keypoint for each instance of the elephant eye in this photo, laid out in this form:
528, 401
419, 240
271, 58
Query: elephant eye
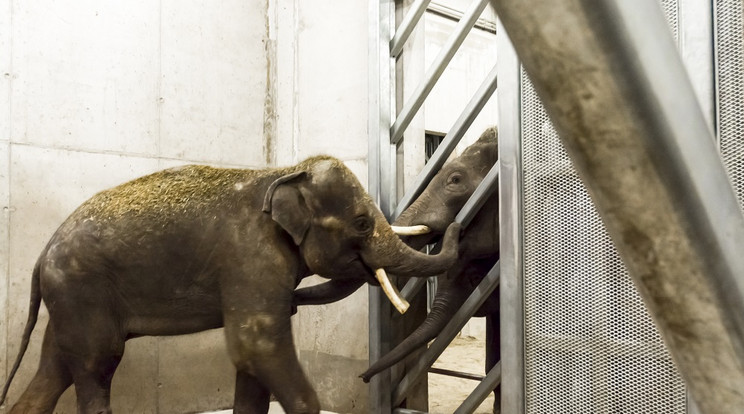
455, 178
362, 224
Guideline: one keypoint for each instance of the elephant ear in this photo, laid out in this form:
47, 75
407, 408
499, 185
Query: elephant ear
287, 207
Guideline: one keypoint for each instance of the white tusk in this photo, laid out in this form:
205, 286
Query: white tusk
411, 230
391, 291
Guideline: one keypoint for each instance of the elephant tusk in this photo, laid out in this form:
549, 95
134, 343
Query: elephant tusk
391, 291
411, 230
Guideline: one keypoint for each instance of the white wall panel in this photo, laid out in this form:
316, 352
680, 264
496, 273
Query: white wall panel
213, 81
86, 75
332, 79
4, 246
5, 69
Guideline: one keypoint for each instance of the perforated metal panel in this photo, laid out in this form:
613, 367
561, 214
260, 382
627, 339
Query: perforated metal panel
730, 88
590, 345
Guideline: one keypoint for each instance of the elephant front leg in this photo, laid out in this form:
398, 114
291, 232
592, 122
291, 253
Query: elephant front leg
262, 349
251, 396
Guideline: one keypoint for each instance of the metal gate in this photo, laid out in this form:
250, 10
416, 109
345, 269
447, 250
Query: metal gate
578, 336
386, 129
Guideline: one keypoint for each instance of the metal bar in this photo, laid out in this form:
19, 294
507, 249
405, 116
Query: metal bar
407, 411
435, 71
481, 391
455, 15
412, 287
510, 226
474, 301
453, 137
485, 189
379, 85
653, 171
456, 374
406, 26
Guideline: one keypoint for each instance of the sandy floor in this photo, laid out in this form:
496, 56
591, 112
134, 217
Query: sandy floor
447, 393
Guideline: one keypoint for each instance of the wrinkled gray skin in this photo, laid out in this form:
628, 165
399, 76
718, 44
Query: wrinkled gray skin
195, 248
437, 207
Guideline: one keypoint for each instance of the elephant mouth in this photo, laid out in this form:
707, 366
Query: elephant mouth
369, 273
420, 241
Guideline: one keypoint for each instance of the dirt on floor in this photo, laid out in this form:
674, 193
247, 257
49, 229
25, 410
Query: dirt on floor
464, 354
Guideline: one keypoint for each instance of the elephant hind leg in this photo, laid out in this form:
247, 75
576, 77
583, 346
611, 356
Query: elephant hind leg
92, 368
51, 379
92, 344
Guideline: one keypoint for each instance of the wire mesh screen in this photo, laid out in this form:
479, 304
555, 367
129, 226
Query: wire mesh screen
729, 43
590, 344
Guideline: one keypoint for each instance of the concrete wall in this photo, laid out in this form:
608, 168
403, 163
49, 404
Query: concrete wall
95, 93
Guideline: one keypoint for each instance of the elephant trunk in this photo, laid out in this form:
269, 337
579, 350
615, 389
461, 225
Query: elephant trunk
444, 307
388, 252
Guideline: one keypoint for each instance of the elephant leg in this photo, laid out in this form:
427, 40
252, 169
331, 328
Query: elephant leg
51, 379
283, 375
493, 353
251, 397
92, 343
262, 345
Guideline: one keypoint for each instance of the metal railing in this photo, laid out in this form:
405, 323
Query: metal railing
386, 131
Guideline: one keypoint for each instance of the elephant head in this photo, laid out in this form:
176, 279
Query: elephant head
341, 233
446, 194
435, 209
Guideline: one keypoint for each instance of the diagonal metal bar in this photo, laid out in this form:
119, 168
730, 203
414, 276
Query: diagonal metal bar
407, 411
435, 71
456, 374
630, 121
474, 301
481, 391
453, 137
406, 26
412, 287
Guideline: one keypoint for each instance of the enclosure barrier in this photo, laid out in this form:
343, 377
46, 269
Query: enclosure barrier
385, 134
615, 88
437, 68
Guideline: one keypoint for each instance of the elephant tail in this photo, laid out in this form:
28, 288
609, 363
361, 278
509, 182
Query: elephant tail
33, 313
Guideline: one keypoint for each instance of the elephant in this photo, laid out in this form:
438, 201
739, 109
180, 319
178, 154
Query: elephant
436, 208
194, 248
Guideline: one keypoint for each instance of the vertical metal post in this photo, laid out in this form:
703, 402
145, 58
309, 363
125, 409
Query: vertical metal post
381, 178
510, 222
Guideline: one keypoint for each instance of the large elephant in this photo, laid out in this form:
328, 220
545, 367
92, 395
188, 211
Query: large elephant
194, 248
436, 208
